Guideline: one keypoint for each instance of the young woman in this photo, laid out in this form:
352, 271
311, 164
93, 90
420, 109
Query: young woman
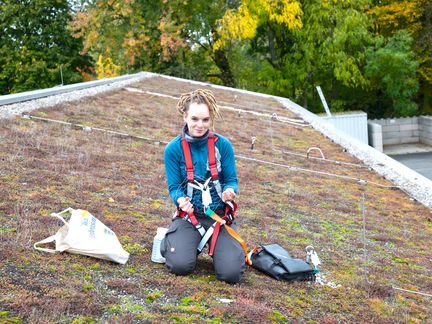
199, 188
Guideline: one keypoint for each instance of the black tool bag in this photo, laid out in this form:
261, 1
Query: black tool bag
275, 261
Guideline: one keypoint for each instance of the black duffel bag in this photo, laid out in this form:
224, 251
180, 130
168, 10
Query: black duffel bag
275, 261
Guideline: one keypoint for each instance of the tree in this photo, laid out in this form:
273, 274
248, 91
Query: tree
242, 23
414, 16
35, 44
423, 49
194, 23
254, 34
105, 68
329, 51
393, 68
175, 36
199, 27
128, 30
317, 43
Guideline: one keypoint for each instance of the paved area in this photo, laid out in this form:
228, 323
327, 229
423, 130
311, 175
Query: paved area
407, 148
419, 162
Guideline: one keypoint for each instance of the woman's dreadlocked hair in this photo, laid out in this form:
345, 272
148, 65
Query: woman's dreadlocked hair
199, 96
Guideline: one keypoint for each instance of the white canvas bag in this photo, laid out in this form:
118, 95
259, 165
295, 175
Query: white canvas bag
85, 234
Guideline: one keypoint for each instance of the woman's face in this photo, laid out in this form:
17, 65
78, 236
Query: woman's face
197, 119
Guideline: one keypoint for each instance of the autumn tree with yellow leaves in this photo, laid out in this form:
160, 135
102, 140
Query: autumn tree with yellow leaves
283, 47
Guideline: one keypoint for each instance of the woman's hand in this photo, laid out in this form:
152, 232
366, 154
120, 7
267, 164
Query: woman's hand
185, 204
228, 195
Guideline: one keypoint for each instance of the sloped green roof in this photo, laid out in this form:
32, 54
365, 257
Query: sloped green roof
372, 240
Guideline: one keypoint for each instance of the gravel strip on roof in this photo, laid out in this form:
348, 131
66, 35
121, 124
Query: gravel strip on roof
8, 111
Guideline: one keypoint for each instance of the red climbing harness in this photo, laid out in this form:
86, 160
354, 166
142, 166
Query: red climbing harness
230, 208
213, 231
211, 139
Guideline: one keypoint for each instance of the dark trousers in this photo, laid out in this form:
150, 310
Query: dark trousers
179, 248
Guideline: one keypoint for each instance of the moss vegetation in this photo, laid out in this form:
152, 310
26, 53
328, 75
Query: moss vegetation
47, 167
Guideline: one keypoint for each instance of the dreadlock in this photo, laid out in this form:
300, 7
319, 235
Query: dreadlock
199, 96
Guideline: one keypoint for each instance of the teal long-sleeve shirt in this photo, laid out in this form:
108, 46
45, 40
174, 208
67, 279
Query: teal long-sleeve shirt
175, 169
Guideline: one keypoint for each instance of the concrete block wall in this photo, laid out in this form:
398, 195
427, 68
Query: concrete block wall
425, 127
375, 135
395, 131
399, 130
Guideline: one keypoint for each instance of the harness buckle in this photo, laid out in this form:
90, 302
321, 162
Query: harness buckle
205, 191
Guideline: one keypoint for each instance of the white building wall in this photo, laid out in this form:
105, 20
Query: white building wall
354, 124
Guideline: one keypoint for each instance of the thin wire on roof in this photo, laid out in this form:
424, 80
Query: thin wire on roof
296, 122
322, 159
158, 142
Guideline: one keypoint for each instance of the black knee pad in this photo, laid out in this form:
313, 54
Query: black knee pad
232, 277
180, 268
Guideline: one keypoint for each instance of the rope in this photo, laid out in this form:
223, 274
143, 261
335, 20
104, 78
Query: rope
281, 119
158, 142
286, 120
149, 91
273, 116
89, 129
294, 168
323, 160
291, 168
296, 122
412, 291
